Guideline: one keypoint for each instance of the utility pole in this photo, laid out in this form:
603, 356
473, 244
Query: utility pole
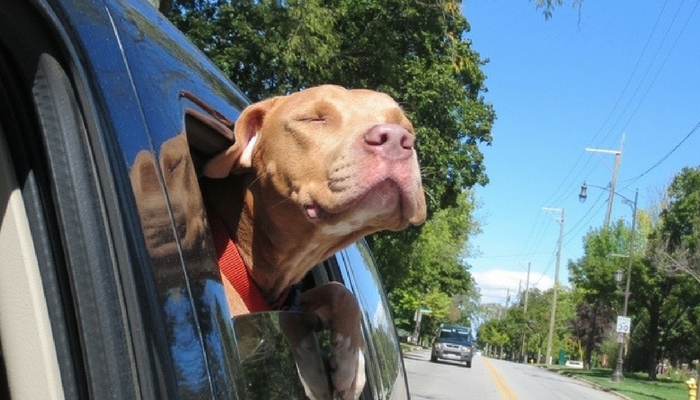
527, 292
613, 182
527, 287
553, 312
507, 297
617, 375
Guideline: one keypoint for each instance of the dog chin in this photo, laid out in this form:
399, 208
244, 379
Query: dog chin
395, 206
381, 207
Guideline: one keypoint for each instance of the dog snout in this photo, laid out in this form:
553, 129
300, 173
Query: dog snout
389, 141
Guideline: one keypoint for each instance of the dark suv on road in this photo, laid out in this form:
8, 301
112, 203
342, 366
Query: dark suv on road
453, 342
109, 284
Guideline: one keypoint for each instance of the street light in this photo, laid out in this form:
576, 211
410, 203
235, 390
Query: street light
618, 276
617, 375
583, 195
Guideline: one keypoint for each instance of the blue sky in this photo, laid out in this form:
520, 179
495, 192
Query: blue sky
582, 79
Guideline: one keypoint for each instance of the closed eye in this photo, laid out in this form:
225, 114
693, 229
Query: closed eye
316, 119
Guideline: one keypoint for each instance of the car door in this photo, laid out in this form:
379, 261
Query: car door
115, 307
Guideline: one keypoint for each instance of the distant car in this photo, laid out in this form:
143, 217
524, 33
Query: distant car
455, 343
576, 364
109, 284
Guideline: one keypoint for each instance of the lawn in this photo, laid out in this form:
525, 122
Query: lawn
635, 386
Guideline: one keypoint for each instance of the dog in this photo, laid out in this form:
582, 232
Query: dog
308, 174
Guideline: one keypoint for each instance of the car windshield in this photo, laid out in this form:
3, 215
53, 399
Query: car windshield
458, 335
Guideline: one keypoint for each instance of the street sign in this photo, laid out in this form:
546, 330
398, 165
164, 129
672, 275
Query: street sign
623, 324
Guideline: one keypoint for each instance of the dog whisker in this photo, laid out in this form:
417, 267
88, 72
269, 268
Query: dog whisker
284, 201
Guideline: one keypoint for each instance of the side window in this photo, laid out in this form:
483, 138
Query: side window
366, 284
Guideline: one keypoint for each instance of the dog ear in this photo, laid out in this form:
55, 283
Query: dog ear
238, 157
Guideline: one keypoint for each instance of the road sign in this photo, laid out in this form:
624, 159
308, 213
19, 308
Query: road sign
623, 324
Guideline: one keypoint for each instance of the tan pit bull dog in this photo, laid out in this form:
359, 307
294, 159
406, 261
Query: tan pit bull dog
309, 174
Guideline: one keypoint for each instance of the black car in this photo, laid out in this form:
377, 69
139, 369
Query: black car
455, 343
109, 285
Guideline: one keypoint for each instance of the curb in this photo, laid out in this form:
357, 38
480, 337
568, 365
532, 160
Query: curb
587, 382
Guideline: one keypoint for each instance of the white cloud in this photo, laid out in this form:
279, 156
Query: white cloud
495, 284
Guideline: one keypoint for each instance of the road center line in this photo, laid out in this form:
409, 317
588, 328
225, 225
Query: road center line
503, 388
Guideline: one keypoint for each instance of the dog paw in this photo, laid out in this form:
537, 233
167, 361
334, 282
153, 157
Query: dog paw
347, 368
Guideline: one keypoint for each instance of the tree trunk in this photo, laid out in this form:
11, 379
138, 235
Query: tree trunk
590, 337
653, 339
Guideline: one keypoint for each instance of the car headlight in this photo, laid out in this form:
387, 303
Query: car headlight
465, 349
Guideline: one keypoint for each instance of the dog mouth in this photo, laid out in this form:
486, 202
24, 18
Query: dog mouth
383, 198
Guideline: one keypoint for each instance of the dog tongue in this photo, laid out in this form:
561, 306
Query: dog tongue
313, 211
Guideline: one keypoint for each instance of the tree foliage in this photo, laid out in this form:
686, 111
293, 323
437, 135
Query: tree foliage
548, 6
677, 241
662, 302
433, 273
670, 295
513, 330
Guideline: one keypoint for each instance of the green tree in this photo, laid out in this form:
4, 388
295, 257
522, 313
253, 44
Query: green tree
660, 300
592, 275
677, 241
537, 322
508, 328
673, 261
492, 334
434, 275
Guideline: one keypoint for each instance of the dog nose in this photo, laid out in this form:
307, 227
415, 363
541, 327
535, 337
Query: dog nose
390, 141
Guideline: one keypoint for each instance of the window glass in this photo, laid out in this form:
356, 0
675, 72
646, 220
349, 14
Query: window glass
456, 334
377, 316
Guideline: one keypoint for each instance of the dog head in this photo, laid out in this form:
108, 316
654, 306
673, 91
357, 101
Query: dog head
329, 164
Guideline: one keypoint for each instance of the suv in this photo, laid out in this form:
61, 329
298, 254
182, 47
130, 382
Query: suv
109, 284
453, 342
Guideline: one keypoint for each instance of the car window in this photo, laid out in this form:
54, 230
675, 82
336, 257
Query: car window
458, 335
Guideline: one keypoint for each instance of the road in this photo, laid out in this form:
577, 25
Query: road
491, 379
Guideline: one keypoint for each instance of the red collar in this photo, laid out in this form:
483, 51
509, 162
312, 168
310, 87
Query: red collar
234, 269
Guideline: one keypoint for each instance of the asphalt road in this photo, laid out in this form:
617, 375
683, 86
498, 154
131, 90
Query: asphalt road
491, 379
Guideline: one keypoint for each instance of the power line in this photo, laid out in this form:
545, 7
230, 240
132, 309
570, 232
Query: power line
574, 234
646, 71
663, 63
511, 255
573, 231
692, 131
607, 119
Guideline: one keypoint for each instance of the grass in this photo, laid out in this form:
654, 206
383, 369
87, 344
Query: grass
405, 347
635, 386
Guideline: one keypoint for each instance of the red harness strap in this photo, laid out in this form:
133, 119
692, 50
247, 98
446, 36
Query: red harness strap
233, 268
